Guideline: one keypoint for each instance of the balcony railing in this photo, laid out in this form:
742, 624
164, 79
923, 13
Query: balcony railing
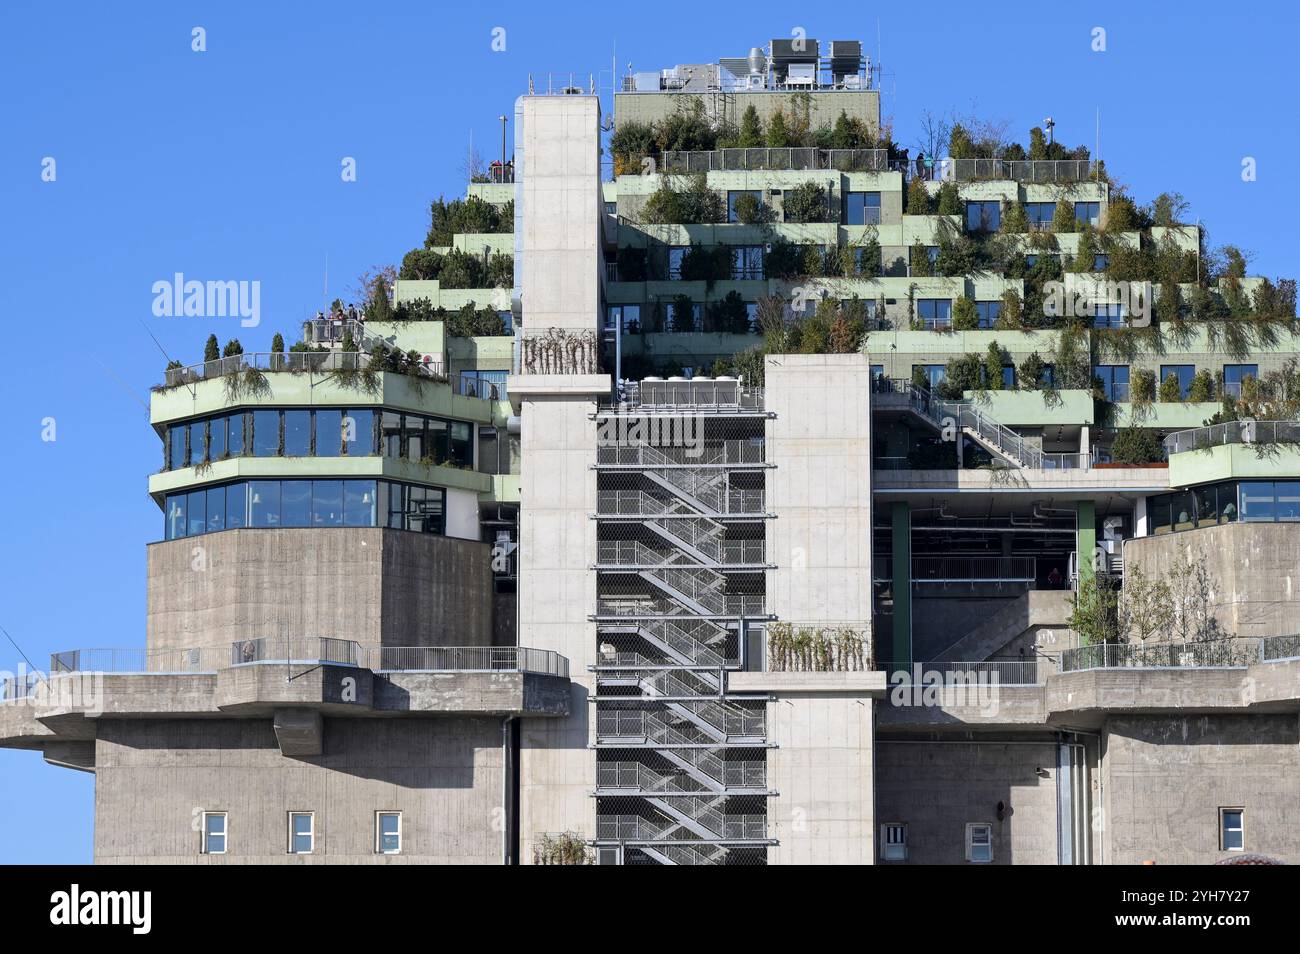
469, 659
690, 395
1212, 653
305, 649
1234, 432
1014, 672
964, 569
324, 331
1021, 170
1277, 648
711, 453
134, 660
796, 157
295, 362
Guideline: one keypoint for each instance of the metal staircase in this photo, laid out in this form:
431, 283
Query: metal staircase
681, 765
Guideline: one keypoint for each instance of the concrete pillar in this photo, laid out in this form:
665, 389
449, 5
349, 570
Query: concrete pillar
902, 545
1085, 537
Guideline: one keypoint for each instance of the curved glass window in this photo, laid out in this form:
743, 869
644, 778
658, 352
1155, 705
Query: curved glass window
326, 432
305, 503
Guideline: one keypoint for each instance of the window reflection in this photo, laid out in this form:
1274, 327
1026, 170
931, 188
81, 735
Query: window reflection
305, 503
297, 433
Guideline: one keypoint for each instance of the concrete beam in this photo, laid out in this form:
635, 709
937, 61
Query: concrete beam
300, 732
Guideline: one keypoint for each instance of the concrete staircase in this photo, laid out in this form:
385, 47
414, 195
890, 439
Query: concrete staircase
1034, 608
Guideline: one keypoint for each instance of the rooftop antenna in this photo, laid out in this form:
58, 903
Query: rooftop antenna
1049, 123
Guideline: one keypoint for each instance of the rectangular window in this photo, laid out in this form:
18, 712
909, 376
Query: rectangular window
175, 504
1008, 377
979, 843
1286, 499
196, 506
1089, 212
684, 317
235, 433
329, 433
264, 502
236, 506
675, 255
1100, 262
302, 833
295, 503
416, 450
933, 373
1234, 375
214, 833
1182, 373
1232, 829
1040, 214
359, 503
297, 433
266, 433
391, 434
984, 216
388, 833
893, 842
862, 208
359, 433
747, 263
460, 446
1257, 502
216, 509
865, 266
733, 195
217, 438
989, 312
1114, 380
198, 449
934, 312
1108, 315
176, 435
327, 503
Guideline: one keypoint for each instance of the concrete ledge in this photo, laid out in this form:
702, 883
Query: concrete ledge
337, 690
868, 683
556, 385
504, 693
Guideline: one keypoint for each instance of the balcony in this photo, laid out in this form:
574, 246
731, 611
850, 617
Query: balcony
790, 158
1020, 170
1234, 432
295, 362
1236, 653
693, 395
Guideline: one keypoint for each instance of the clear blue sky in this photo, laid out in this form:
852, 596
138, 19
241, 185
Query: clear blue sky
225, 165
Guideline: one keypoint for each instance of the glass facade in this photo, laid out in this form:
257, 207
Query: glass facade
305, 503
862, 208
1254, 501
327, 432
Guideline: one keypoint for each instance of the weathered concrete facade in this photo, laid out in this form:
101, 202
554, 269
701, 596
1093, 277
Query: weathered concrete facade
375, 586
155, 778
1167, 775
1254, 569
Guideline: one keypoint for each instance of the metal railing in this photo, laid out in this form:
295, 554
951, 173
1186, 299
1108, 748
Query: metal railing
295, 362
1234, 653
1013, 672
633, 553
332, 331
793, 157
1021, 170
632, 503
133, 660
305, 649
965, 569
1277, 648
690, 394
1234, 432
469, 659
712, 453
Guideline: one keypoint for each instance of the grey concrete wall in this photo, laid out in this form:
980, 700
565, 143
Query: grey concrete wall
937, 788
376, 586
822, 769
1165, 777
155, 777
1254, 569
820, 489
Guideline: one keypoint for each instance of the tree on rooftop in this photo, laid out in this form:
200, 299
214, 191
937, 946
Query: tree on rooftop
233, 347
918, 199
778, 131
806, 202
211, 350
277, 343
379, 308
1063, 219
751, 129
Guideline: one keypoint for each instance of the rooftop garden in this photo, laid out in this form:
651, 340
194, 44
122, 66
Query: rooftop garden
690, 129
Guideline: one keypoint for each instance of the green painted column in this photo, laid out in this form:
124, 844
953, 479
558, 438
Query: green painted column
902, 558
1085, 537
